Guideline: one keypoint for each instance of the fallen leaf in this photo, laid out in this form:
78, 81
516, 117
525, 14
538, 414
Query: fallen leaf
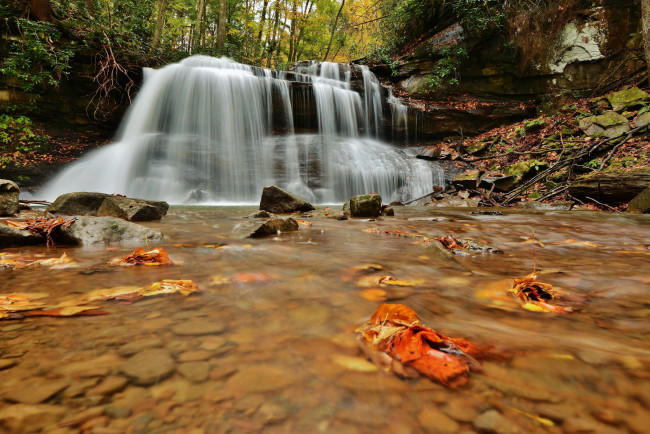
185, 287
250, 277
374, 294
394, 314
141, 256
534, 295
18, 262
44, 227
304, 223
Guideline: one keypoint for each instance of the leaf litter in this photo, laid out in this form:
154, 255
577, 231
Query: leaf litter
141, 256
42, 226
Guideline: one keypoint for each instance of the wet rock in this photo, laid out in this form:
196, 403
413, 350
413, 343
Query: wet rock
212, 343
260, 379
611, 186
9, 193
388, 211
494, 422
609, 124
22, 418
131, 348
36, 390
502, 184
436, 249
430, 153
641, 203
345, 211
456, 202
13, 237
149, 366
478, 246
117, 412
277, 200
467, 180
136, 210
194, 371
435, 421
270, 412
97, 367
555, 206
269, 227
108, 386
259, 215
365, 205
198, 327
79, 203
106, 230
194, 356
462, 410
627, 99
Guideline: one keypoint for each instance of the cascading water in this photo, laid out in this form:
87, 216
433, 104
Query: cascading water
216, 131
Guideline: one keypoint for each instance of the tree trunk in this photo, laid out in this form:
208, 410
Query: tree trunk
89, 5
221, 30
645, 30
160, 24
199, 30
297, 53
292, 32
336, 21
259, 34
41, 10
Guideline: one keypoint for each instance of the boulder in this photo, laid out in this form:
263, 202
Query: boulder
642, 120
13, 237
271, 226
613, 186
641, 203
87, 230
9, 192
277, 200
79, 203
345, 211
365, 205
524, 170
430, 153
627, 99
469, 179
609, 124
502, 184
456, 202
136, 210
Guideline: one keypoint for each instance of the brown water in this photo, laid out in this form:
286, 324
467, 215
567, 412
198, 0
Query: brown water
283, 356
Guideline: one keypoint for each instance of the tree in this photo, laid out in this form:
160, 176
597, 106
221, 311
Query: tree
199, 30
41, 10
221, 30
160, 24
338, 15
645, 29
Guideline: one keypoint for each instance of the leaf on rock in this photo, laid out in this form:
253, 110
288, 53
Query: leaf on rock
18, 262
44, 227
534, 295
396, 330
141, 256
450, 242
185, 287
19, 302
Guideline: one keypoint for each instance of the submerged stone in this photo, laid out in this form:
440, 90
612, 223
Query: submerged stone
365, 205
149, 366
277, 200
105, 230
9, 192
14, 237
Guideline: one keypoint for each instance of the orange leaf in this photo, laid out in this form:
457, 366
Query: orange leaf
374, 294
141, 256
397, 314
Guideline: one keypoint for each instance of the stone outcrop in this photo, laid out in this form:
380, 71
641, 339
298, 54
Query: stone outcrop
9, 192
279, 201
106, 205
613, 186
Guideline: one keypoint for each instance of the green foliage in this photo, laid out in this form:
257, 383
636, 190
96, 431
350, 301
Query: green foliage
35, 58
480, 16
16, 135
446, 71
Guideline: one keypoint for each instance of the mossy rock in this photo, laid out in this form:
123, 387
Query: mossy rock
642, 120
467, 180
609, 124
613, 186
9, 193
526, 169
627, 98
640, 203
365, 205
479, 148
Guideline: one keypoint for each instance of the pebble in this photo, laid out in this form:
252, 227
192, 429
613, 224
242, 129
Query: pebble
260, 379
461, 410
194, 356
134, 347
36, 391
194, 371
117, 412
108, 386
435, 421
6, 363
211, 343
271, 412
21, 418
97, 367
149, 366
198, 327
494, 422
81, 417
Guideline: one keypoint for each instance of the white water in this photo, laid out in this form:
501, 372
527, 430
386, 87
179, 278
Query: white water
201, 130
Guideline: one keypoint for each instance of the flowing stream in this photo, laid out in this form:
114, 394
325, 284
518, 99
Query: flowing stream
270, 344
211, 130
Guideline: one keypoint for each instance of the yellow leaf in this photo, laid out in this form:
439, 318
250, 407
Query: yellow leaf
373, 294
354, 363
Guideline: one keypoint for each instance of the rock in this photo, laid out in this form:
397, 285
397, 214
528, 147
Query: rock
478, 246
97, 367
271, 412
194, 371
502, 184
277, 200
345, 211
555, 206
259, 215
365, 205
430, 153
197, 196
627, 99
609, 124
469, 179
81, 417
481, 147
260, 379
388, 211
149, 366
494, 422
106, 230
642, 120
108, 386
22, 418
9, 193
134, 347
641, 203
258, 229
526, 169
36, 390
80, 203
436, 249
612, 186
10, 237
456, 202
198, 327
6, 363
435, 421
136, 210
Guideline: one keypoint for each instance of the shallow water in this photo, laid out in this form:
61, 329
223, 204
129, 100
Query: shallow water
288, 308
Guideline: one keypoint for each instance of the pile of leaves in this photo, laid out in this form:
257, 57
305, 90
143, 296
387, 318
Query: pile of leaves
16, 262
141, 256
42, 226
535, 296
396, 330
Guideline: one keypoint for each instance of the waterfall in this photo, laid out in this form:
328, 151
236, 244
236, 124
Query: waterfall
219, 130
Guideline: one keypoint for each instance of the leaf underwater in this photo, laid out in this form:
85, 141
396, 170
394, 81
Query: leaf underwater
535, 296
18, 262
396, 330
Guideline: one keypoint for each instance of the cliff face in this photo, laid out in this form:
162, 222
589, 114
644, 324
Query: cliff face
600, 47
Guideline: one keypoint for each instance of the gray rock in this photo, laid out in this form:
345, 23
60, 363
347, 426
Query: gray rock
365, 205
22, 418
136, 210
478, 246
16, 237
149, 366
277, 200
436, 249
456, 202
613, 186
9, 192
556, 206
106, 230
641, 203
642, 120
467, 180
502, 184
609, 124
258, 229
79, 203
494, 422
